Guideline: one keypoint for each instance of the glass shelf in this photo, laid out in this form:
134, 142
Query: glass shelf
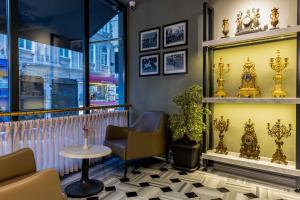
252, 38
264, 163
263, 100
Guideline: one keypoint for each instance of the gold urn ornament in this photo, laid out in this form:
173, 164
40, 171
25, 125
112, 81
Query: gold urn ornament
221, 126
274, 18
278, 64
220, 70
249, 146
248, 86
279, 131
225, 28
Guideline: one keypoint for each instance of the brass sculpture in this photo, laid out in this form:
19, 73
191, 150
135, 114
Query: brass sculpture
279, 131
278, 64
225, 28
249, 23
220, 71
249, 147
249, 87
274, 18
222, 127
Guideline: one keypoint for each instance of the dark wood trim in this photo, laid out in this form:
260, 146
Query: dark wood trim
186, 64
186, 34
159, 64
158, 39
86, 52
13, 54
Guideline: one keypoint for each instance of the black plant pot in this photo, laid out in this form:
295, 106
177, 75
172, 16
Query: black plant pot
186, 157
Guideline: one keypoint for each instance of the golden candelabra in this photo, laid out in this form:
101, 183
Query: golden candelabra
220, 71
249, 147
222, 127
278, 64
279, 131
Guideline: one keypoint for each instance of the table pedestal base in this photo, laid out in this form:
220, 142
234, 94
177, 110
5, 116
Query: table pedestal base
84, 189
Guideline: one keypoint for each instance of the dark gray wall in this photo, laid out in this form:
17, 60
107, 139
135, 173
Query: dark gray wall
156, 92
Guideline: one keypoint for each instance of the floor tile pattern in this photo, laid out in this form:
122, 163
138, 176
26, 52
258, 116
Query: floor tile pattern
161, 182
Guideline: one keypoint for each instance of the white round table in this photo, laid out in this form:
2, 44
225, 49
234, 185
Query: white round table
85, 187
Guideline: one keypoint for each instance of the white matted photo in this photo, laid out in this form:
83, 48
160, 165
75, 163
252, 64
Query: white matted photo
149, 65
150, 40
175, 34
175, 62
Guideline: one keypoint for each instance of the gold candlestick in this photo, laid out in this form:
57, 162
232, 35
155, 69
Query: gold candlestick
220, 71
279, 131
278, 64
221, 126
225, 28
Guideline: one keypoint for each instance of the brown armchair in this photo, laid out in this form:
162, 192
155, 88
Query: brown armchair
20, 180
147, 137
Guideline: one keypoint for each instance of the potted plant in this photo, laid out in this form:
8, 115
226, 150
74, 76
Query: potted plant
187, 127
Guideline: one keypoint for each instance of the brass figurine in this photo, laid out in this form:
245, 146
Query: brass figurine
222, 127
249, 23
220, 71
225, 28
248, 87
249, 147
278, 64
279, 131
274, 18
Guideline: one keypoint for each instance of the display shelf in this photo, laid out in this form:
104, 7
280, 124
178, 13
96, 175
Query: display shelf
263, 164
263, 100
251, 38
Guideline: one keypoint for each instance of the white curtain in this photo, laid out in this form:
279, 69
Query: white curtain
46, 137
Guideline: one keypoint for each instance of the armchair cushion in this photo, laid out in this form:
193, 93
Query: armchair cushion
19, 163
118, 147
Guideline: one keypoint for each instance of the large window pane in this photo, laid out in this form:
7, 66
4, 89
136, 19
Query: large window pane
50, 54
107, 63
4, 105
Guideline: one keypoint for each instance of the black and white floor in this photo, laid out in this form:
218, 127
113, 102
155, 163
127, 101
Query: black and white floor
160, 181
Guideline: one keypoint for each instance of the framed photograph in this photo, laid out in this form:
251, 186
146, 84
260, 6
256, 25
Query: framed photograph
149, 65
150, 40
175, 62
175, 34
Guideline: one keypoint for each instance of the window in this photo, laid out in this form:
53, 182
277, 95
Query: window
47, 79
107, 81
92, 53
104, 56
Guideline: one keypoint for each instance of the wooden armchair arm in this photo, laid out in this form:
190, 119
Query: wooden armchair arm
116, 132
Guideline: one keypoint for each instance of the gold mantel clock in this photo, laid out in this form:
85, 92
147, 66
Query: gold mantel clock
249, 87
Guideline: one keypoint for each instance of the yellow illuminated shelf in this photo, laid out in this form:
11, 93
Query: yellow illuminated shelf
263, 164
251, 38
263, 100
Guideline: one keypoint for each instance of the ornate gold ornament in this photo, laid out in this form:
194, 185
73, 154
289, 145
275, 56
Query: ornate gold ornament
249, 147
274, 18
225, 28
249, 23
278, 64
220, 70
279, 131
222, 127
248, 87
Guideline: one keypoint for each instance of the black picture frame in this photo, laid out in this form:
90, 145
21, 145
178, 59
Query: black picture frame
176, 44
157, 47
185, 62
157, 72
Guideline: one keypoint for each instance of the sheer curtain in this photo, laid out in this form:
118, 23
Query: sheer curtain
46, 137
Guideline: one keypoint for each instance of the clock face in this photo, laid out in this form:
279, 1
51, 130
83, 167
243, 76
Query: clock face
248, 140
247, 77
247, 21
